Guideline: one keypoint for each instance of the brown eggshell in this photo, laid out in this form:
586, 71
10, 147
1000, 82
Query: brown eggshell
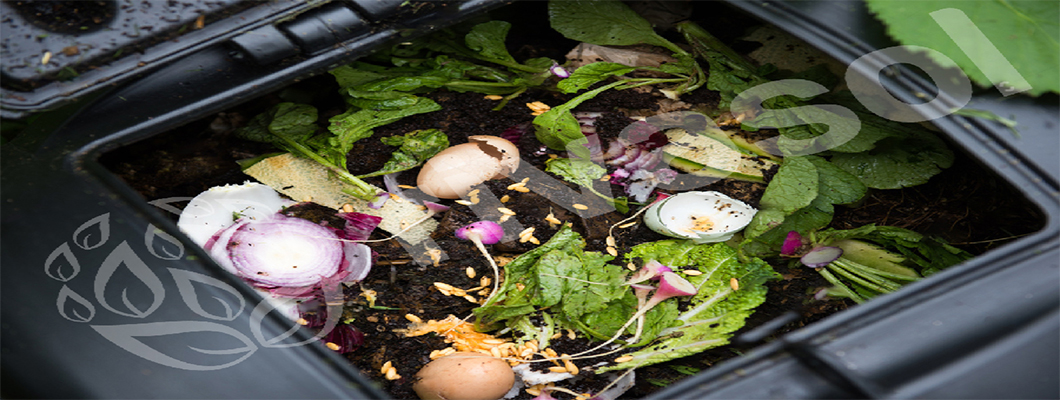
464, 376
451, 173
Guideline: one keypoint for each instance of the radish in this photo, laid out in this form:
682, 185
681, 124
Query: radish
481, 233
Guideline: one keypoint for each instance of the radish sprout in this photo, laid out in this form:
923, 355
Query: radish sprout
481, 233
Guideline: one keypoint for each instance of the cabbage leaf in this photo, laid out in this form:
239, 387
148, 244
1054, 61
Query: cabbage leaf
715, 312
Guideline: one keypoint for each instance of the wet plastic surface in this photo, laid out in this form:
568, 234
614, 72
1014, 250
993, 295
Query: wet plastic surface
53, 187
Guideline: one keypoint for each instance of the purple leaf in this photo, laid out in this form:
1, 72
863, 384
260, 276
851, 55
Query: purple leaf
123, 255
63, 303
185, 285
128, 338
54, 270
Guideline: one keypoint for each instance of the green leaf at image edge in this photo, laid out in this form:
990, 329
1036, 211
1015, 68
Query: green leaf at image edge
1024, 31
488, 40
605, 23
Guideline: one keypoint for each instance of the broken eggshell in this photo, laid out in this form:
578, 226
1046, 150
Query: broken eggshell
451, 173
704, 217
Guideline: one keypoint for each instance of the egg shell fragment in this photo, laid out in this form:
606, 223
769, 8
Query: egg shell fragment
451, 173
683, 216
464, 376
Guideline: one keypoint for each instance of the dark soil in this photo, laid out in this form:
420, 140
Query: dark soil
965, 205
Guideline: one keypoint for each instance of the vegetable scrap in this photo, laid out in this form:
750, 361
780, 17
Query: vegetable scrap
618, 308
292, 261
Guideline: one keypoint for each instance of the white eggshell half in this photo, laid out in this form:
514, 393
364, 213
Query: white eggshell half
675, 215
451, 173
215, 209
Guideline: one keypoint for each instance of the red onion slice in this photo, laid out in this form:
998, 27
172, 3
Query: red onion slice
821, 256
285, 252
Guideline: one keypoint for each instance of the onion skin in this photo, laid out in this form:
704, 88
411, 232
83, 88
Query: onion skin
258, 249
339, 261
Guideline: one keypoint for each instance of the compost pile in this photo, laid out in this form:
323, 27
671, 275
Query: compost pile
574, 241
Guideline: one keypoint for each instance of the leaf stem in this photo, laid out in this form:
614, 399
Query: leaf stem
839, 284
359, 189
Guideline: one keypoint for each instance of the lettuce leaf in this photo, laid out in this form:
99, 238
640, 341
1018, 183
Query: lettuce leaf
415, 148
715, 312
573, 285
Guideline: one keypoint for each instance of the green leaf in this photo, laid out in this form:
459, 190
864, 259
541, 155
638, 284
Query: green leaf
685, 65
416, 148
582, 172
348, 77
793, 187
582, 298
559, 130
352, 126
510, 301
389, 100
586, 174
403, 83
574, 285
835, 185
285, 120
897, 162
1024, 31
585, 76
605, 23
715, 312
488, 40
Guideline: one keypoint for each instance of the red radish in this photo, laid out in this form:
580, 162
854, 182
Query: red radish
792, 244
652, 270
481, 233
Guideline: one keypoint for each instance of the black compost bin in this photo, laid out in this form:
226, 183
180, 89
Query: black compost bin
77, 239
